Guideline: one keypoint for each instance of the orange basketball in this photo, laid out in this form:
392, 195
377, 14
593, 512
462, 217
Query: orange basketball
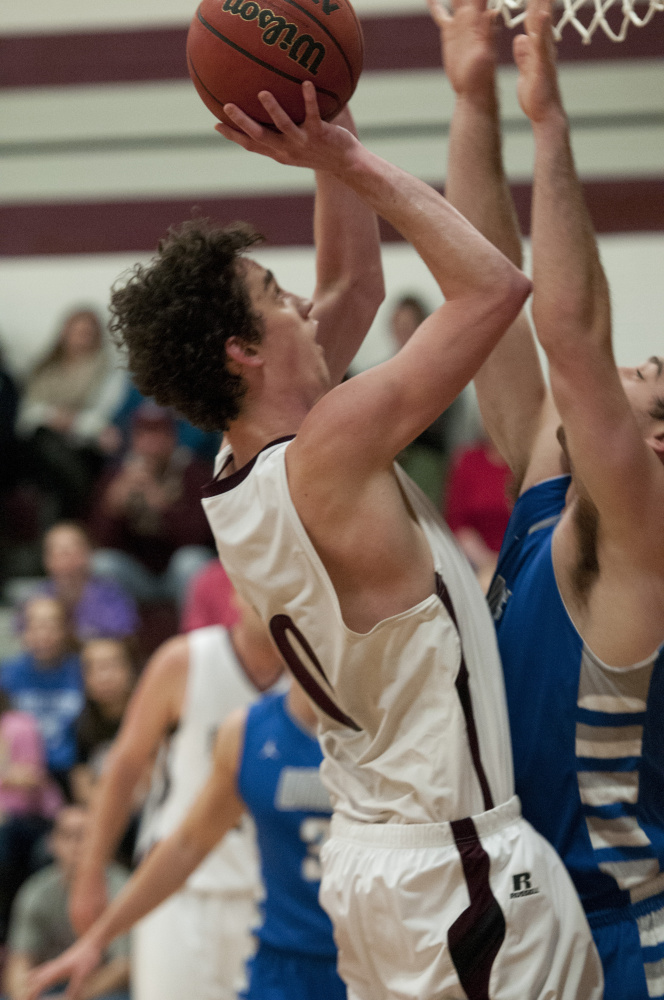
236, 48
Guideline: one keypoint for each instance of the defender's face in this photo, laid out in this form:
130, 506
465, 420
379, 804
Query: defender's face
643, 386
289, 339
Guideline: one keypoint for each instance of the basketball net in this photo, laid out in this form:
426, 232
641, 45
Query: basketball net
595, 16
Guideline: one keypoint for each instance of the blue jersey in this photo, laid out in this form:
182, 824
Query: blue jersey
278, 781
54, 696
588, 740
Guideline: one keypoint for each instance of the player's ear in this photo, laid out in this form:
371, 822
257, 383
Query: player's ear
242, 355
655, 440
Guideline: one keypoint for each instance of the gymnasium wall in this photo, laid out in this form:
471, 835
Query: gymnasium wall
104, 142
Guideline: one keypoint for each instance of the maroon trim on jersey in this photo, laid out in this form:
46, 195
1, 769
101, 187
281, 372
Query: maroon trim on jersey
280, 626
218, 486
463, 690
475, 937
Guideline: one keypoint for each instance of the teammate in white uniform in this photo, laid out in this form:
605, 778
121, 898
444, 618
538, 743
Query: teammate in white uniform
197, 942
365, 594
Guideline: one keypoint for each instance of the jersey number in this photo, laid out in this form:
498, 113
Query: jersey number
313, 832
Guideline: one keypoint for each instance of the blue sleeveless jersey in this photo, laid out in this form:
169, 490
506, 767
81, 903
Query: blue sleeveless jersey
279, 782
588, 740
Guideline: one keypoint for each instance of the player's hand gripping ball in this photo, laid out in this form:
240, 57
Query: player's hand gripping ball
236, 48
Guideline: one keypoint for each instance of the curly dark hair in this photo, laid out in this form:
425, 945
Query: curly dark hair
174, 316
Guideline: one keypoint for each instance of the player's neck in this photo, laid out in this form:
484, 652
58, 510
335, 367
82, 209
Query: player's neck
260, 425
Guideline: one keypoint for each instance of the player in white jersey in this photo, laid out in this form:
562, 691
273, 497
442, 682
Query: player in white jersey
196, 943
435, 885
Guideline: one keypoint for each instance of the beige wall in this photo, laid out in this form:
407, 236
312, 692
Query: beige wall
617, 111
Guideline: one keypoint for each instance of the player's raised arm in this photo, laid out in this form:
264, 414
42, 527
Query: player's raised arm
349, 274
390, 405
152, 711
166, 868
571, 311
511, 389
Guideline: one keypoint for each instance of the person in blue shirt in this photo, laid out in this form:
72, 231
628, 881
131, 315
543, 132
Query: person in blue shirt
45, 680
266, 761
578, 595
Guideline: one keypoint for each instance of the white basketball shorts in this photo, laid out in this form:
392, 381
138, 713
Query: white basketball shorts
194, 945
478, 909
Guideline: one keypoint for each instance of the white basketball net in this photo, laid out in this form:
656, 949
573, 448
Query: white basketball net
594, 16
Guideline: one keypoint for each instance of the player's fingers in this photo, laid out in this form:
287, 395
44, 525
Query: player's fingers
439, 12
284, 122
40, 979
233, 134
520, 49
310, 97
75, 985
545, 29
246, 124
537, 13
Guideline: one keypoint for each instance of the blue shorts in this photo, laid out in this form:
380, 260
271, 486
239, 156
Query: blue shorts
630, 942
283, 975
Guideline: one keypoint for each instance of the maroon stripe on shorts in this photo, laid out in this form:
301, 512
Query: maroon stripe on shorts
475, 937
463, 691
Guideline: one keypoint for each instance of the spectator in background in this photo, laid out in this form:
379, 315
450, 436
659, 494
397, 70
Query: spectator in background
209, 599
28, 802
46, 681
477, 506
9, 399
425, 459
202, 444
97, 606
40, 926
9, 452
65, 414
148, 516
109, 676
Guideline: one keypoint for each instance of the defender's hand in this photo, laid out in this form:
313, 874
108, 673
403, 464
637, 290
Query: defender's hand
468, 43
315, 144
74, 965
535, 57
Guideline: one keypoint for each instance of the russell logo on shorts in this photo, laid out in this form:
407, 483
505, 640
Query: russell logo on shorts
522, 885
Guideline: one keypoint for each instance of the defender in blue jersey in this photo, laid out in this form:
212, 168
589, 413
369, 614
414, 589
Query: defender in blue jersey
278, 781
266, 761
578, 596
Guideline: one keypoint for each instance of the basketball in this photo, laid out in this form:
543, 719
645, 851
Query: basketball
236, 48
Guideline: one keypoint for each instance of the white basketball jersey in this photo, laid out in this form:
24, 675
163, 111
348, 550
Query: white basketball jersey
413, 721
216, 685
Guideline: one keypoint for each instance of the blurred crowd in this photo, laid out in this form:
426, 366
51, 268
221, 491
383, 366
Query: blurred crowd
105, 553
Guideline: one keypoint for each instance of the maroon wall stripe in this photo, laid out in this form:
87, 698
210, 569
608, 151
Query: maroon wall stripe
391, 43
286, 220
